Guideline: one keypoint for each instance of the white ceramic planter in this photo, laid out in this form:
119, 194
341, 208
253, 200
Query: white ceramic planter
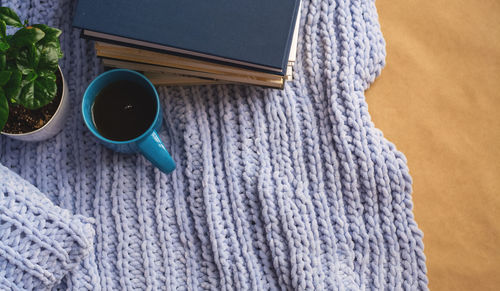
54, 125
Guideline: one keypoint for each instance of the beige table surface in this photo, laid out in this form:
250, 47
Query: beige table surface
438, 100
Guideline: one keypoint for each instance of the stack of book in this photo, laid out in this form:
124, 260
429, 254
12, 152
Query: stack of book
195, 42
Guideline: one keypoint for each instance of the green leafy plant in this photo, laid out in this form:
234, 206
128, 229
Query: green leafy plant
28, 64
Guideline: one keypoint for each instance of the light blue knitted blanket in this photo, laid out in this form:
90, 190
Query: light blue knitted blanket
281, 190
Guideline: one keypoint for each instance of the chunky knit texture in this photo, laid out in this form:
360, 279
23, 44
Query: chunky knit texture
292, 189
39, 242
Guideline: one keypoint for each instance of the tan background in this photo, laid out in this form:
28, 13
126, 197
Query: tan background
438, 100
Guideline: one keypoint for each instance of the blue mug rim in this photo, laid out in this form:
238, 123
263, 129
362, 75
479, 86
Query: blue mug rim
95, 132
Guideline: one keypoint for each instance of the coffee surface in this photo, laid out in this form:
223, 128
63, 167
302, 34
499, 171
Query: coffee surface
123, 110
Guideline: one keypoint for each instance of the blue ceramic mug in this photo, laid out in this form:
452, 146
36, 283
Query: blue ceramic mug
148, 143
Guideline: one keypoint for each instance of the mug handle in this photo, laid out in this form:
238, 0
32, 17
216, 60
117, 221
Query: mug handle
154, 150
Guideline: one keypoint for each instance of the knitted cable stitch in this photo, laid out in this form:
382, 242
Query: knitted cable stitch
280, 190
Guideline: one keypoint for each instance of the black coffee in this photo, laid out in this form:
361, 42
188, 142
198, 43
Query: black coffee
123, 110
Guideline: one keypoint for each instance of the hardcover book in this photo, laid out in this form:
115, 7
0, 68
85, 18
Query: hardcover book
255, 34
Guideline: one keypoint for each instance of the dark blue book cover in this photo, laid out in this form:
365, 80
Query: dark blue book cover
254, 33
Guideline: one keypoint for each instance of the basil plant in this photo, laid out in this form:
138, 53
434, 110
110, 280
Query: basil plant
28, 64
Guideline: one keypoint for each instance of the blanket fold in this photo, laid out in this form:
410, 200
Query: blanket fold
39, 241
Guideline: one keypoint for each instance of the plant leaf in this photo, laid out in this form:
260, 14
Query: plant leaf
27, 59
27, 95
45, 88
39, 92
47, 75
30, 77
13, 86
10, 17
51, 33
4, 77
3, 28
4, 46
27, 36
49, 56
49, 48
4, 109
